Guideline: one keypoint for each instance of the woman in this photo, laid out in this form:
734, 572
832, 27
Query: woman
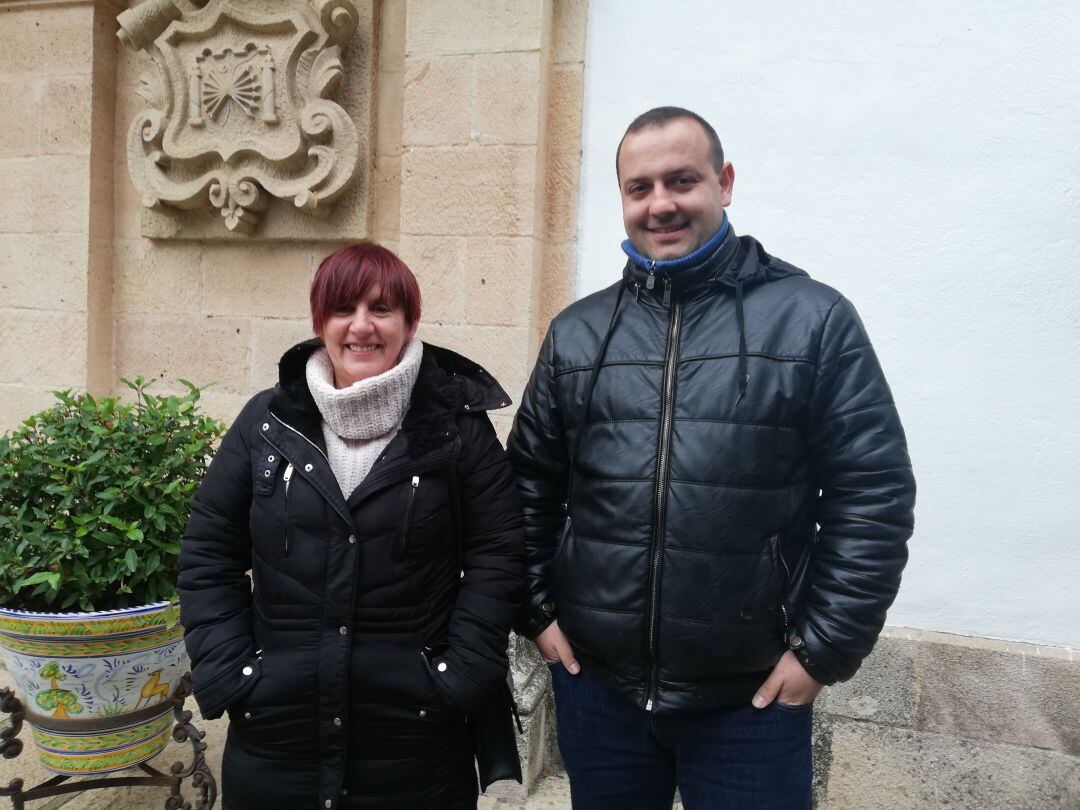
369, 497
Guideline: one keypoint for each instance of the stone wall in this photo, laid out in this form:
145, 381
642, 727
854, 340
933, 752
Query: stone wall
57, 67
936, 720
475, 120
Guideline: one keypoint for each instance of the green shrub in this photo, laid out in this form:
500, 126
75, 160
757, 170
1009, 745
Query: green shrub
94, 497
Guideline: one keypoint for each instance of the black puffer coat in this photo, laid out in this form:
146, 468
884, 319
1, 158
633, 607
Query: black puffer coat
737, 408
320, 663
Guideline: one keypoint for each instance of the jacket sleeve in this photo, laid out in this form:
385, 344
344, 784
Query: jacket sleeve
540, 457
215, 592
865, 511
474, 664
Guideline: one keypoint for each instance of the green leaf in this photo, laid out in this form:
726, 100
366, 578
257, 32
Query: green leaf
131, 559
115, 522
37, 579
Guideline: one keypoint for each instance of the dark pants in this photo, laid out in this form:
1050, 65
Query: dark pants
619, 757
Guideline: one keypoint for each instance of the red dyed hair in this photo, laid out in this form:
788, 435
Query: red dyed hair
346, 275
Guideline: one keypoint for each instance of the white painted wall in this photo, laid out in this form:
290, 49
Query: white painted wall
924, 158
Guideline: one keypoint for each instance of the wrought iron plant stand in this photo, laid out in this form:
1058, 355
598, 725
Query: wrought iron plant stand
202, 780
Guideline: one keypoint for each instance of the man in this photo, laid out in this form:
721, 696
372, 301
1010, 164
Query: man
718, 498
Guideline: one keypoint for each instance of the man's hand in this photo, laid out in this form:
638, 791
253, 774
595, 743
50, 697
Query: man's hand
789, 683
555, 647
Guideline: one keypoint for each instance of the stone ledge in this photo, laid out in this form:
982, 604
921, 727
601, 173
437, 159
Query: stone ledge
982, 643
974, 688
876, 766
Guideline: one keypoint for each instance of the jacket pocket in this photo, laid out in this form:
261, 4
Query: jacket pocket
286, 478
783, 576
410, 507
562, 550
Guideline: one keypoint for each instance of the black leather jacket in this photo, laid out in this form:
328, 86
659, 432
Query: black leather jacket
742, 486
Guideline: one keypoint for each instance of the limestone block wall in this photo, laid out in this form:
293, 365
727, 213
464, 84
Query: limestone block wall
56, 77
475, 121
940, 720
491, 93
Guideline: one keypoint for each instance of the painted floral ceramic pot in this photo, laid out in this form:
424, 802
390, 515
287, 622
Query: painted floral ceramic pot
96, 685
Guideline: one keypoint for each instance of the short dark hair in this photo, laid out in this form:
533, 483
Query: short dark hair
345, 276
658, 116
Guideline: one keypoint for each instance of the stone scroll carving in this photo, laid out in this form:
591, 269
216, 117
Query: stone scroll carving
240, 106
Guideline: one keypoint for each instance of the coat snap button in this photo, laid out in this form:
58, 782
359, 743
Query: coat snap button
467, 407
270, 458
343, 630
247, 671
423, 713
308, 468
266, 473
265, 425
247, 715
352, 538
337, 721
441, 667
328, 803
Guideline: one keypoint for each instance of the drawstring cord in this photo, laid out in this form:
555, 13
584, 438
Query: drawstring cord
744, 372
588, 396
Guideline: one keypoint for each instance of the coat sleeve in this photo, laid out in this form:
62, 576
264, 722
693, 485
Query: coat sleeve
866, 508
214, 588
492, 548
541, 460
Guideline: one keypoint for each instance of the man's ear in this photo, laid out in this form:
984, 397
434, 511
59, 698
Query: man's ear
727, 183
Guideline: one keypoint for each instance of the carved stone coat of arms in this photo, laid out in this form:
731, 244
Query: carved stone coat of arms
241, 106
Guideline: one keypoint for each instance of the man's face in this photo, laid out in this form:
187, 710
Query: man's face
673, 199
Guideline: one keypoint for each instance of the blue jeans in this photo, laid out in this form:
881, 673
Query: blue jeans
619, 757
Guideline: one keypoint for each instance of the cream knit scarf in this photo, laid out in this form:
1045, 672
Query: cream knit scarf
359, 421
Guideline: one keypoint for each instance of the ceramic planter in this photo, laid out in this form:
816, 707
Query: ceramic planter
96, 685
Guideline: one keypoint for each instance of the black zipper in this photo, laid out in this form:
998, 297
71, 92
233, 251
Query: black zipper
414, 485
287, 478
667, 407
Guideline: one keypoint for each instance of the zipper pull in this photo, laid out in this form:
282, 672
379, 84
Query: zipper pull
287, 476
648, 705
667, 292
650, 282
415, 481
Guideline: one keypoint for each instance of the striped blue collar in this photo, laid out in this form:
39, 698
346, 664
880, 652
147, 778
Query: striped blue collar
672, 266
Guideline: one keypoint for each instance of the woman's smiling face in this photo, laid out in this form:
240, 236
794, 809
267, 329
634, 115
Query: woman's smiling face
366, 338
